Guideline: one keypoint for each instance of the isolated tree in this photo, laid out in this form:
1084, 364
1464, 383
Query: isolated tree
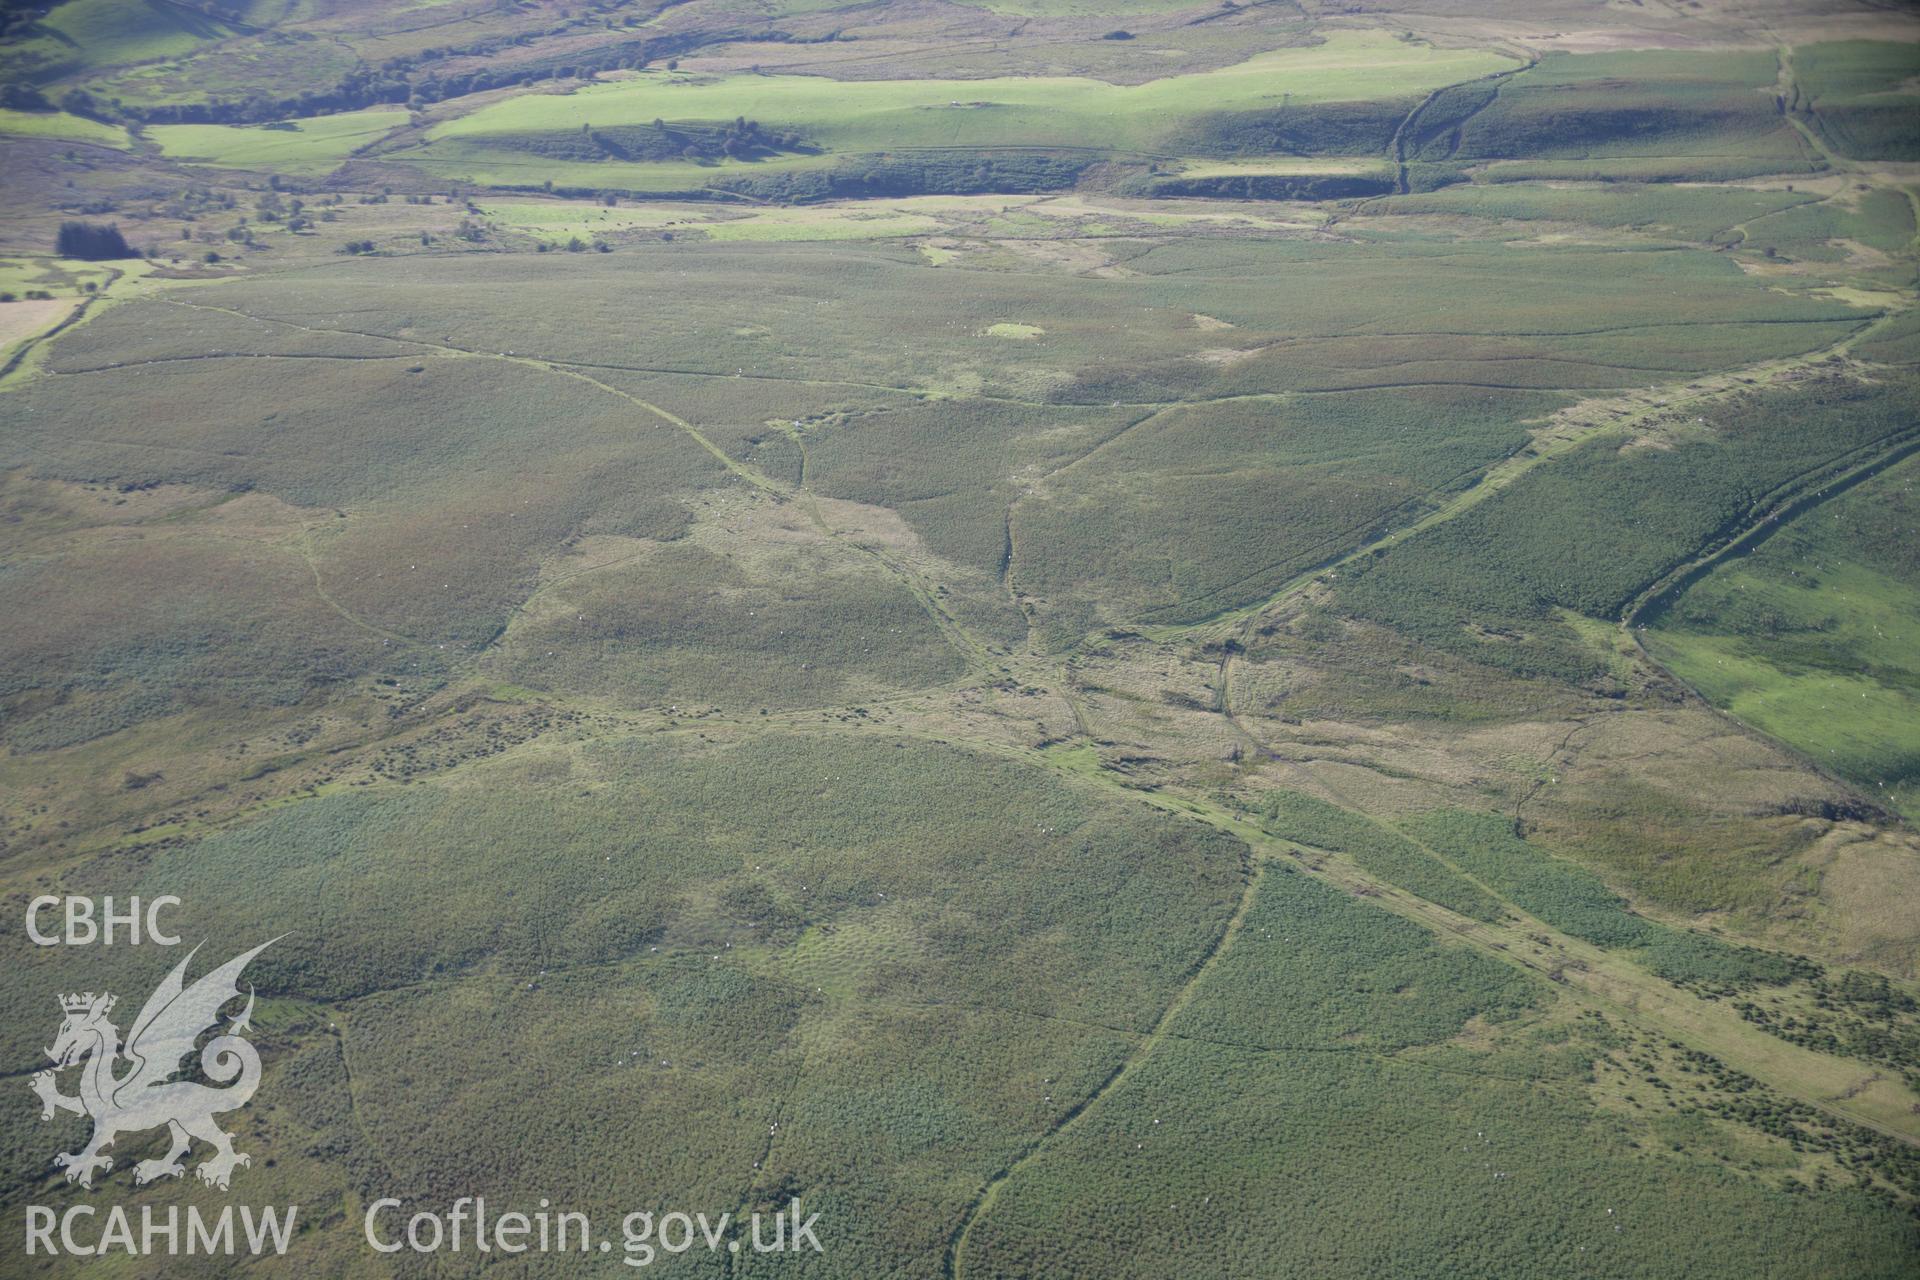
92, 241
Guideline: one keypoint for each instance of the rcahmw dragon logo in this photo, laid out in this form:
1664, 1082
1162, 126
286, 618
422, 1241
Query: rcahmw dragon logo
143, 1094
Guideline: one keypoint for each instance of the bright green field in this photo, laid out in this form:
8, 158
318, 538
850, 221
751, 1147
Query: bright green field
312, 146
60, 126
1815, 638
1040, 111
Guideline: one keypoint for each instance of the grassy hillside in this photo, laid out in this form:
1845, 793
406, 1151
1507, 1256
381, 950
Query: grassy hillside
1327, 1028
1620, 112
856, 117
1604, 524
82, 34
1093, 638
311, 146
61, 127
1861, 96
1811, 637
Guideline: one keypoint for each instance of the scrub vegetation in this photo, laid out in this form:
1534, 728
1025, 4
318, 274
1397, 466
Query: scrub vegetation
1093, 637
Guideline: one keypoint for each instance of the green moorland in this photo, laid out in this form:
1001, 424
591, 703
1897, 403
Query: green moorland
1812, 636
1090, 637
159, 56
1611, 518
1329, 1029
1861, 96
775, 942
1593, 106
1359, 416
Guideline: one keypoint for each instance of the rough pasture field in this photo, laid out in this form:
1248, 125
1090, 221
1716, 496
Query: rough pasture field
311, 146
1652, 103
61, 127
1643, 506
1809, 637
96, 32
1328, 1029
746, 987
1089, 637
1859, 95
1158, 509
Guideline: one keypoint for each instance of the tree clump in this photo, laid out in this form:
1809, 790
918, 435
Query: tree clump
92, 242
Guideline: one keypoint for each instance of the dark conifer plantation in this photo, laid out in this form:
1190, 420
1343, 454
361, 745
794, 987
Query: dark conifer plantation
92, 241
